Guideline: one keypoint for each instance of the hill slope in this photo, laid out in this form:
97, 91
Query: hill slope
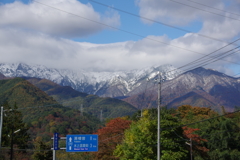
91, 104
42, 113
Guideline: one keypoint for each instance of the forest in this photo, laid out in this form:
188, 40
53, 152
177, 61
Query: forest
187, 132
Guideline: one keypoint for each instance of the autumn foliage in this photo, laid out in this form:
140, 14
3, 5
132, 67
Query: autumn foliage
109, 136
196, 139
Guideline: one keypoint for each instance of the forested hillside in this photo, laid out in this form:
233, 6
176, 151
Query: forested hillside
90, 104
187, 131
41, 114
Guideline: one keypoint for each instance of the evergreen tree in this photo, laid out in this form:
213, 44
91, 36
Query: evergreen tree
14, 131
42, 151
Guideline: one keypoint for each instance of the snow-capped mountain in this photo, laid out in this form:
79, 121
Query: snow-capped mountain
106, 84
198, 87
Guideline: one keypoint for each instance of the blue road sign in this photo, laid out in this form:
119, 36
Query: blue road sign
55, 141
82, 143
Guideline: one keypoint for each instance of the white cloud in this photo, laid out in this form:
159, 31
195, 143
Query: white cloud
39, 48
57, 22
26, 36
174, 12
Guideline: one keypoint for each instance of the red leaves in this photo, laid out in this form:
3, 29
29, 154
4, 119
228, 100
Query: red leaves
114, 126
109, 136
196, 139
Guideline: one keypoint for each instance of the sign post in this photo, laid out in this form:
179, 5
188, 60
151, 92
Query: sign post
55, 144
82, 143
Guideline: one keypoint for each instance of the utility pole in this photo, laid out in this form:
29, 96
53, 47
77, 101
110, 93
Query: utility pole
81, 109
101, 116
159, 111
11, 156
54, 151
191, 147
1, 123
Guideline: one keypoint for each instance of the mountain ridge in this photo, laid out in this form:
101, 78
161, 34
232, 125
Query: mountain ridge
98, 83
139, 87
213, 89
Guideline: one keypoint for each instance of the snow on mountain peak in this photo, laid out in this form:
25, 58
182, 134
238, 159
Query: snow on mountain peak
89, 82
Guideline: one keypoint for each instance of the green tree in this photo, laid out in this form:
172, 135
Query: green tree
14, 129
140, 140
42, 151
223, 139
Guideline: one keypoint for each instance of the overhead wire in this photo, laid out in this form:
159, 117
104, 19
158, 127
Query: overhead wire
184, 139
207, 55
135, 34
57, 104
184, 4
109, 25
204, 120
106, 24
200, 62
155, 21
168, 26
213, 59
213, 7
203, 62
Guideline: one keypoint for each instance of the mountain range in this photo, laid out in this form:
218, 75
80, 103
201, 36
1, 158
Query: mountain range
198, 87
105, 84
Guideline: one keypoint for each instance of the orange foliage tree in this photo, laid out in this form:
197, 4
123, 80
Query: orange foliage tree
191, 114
197, 146
109, 136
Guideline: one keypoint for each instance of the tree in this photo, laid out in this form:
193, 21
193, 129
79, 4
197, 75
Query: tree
189, 114
140, 140
14, 129
196, 141
109, 136
223, 139
42, 151
217, 138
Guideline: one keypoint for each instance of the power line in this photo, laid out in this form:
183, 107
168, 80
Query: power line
162, 23
203, 10
214, 59
208, 55
125, 31
168, 26
202, 62
214, 8
188, 124
82, 17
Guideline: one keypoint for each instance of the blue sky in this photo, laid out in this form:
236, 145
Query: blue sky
133, 24
60, 40
129, 23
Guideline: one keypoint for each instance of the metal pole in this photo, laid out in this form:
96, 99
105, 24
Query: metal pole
159, 126
54, 152
101, 116
11, 156
1, 123
191, 147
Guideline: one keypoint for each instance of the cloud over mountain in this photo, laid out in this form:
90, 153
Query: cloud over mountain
39, 34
